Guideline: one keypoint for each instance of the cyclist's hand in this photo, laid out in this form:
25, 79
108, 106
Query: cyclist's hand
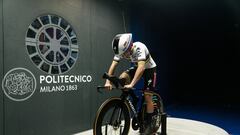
128, 87
108, 86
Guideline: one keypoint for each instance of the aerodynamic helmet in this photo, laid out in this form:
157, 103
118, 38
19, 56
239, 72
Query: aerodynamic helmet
121, 43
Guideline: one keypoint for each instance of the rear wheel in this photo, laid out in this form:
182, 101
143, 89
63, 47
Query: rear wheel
158, 110
112, 118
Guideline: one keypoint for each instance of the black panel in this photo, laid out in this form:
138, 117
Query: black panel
195, 44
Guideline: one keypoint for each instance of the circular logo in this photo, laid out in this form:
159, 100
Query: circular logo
19, 84
52, 44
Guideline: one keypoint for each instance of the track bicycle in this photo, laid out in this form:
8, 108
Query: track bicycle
116, 113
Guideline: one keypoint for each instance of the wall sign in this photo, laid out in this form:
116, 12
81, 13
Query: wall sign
52, 44
19, 84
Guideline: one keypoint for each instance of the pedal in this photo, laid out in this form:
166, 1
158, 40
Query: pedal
135, 124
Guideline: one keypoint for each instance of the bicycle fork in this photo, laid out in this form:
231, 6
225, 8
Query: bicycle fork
116, 123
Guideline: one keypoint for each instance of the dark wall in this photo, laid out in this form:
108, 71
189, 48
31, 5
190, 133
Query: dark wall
1, 71
58, 113
196, 46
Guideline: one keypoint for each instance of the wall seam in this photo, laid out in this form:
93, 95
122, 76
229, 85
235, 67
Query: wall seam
92, 6
3, 110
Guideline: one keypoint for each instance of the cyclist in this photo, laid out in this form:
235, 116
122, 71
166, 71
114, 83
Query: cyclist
144, 66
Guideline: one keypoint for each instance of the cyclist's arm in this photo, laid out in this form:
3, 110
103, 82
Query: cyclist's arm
138, 73
112, 69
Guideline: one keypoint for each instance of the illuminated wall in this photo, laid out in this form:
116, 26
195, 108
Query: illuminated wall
53, 54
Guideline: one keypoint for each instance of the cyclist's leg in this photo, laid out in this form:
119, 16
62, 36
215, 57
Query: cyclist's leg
128, 75
149, 86
148, 99
125, 78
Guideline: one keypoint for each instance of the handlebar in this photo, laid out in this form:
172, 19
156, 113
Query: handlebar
100, 87
115, 81
124, 91
122, 88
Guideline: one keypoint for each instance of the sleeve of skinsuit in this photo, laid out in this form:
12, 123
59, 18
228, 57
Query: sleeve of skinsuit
141, 54
116, 58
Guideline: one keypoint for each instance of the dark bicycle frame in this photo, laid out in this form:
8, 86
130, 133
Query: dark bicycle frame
130, 97
125, 96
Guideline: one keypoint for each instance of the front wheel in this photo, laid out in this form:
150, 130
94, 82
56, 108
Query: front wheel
112, 118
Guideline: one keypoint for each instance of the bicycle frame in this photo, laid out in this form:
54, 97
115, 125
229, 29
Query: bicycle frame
126, 97
125, 94
129, 100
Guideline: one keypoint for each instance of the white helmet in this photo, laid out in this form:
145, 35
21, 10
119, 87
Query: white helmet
121, 43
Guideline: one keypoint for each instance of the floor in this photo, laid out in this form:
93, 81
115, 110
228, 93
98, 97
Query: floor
179, 126
226, 117
187, 119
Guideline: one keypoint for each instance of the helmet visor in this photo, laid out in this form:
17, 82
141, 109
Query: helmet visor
115, 45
